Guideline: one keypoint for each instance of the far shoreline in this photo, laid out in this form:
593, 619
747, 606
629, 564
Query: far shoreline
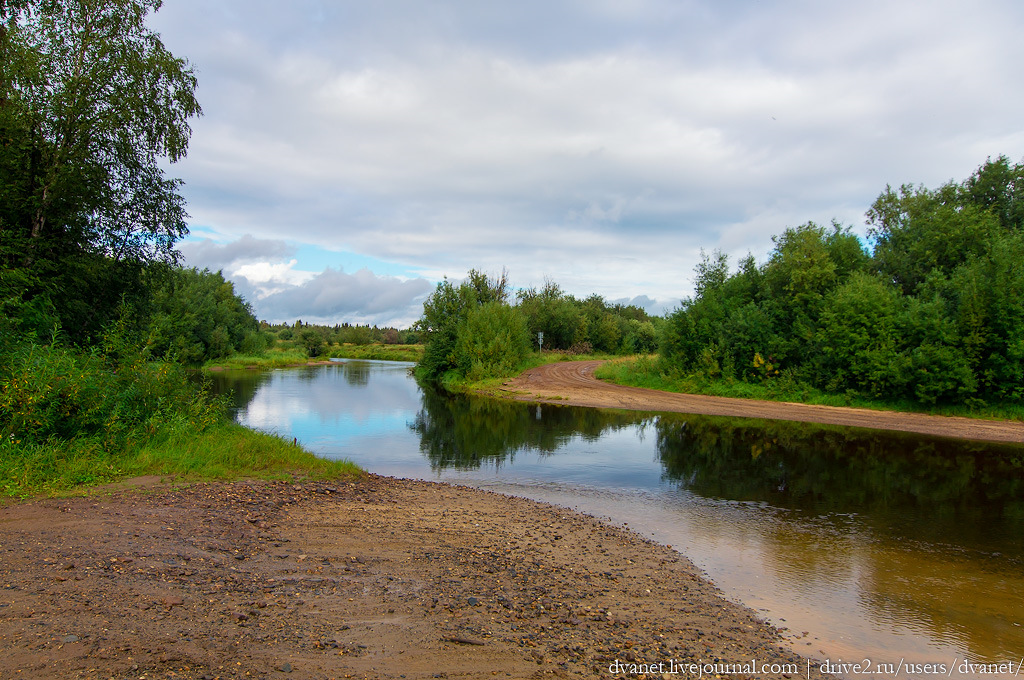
572, 383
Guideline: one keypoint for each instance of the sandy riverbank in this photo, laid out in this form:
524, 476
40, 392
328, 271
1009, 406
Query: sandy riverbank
384, 578
573, 383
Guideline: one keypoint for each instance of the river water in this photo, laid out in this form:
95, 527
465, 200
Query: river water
863, 545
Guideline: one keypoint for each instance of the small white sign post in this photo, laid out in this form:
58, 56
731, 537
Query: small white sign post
540, 341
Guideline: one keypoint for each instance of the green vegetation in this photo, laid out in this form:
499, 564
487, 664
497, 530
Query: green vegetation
272, 346
471, 331
84, 203
96, 317
931, 318
72, 417
275, 357
378, 352
474, 336
586, 326
196, 317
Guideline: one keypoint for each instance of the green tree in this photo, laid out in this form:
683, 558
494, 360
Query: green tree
998, 187
91, 104
313, 341
196, 316
861, 337
641, 337
445, 311
492, 341
918, 231
555, 313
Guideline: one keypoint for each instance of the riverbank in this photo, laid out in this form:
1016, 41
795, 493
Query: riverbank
294, 357
382, 578
573, 383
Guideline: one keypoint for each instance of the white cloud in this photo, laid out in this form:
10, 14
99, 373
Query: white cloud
268, 278
333, 295
208, 254
601, 144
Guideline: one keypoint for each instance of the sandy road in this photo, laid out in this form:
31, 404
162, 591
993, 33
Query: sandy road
573, 383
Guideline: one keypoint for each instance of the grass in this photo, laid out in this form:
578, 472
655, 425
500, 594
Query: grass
226, 451
272, 358
230, 451
646, 371
73, 418
377, 351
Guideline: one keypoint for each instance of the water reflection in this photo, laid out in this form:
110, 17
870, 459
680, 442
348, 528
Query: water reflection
972, 490
464, 433
878, 543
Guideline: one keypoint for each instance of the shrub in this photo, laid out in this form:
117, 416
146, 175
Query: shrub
492, 341
51, 393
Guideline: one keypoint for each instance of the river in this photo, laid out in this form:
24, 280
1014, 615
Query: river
860, 544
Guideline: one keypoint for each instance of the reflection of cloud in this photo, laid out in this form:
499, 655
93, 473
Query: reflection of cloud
327, 396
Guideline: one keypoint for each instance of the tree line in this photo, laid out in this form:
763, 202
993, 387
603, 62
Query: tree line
474, 331
91, 292
317, 339
930, 311
91, 105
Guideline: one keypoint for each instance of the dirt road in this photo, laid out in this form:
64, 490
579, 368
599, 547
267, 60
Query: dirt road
383, 578
573, 383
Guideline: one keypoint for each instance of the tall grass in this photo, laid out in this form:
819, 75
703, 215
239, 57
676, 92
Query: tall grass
272, 358
71, 417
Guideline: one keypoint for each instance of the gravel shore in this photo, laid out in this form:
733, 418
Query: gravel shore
382, 578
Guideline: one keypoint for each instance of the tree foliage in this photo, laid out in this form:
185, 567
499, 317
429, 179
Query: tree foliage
196, 316
446, 313
932, 314
91, 104
473, 331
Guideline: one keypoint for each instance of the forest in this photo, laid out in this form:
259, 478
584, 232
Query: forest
929, 311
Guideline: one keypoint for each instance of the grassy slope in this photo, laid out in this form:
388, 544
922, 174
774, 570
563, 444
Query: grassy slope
224, 451
377, 351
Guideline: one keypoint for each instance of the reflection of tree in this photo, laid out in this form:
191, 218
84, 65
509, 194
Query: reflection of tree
830, 469
357, 373
463, 432
240, 387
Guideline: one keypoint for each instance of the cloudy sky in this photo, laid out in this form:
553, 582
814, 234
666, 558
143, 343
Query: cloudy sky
354, 153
